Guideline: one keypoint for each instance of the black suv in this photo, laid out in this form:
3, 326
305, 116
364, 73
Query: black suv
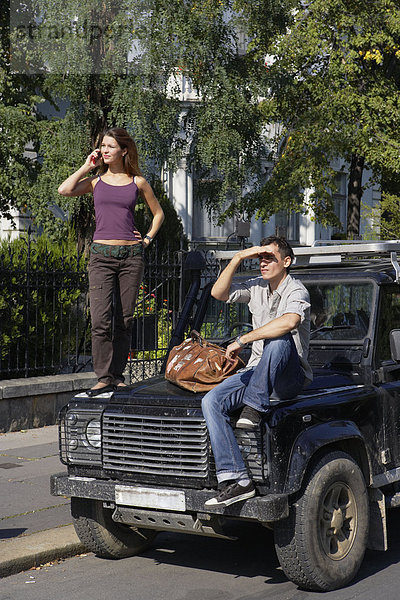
326, 464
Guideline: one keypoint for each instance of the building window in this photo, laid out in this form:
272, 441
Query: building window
340, 202
204, 223
287, 225
205, 228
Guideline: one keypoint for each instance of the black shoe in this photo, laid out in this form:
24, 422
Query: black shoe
118, 382
232, 493
249, 418
106, 388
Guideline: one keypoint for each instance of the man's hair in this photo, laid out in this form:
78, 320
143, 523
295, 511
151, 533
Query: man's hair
285, 249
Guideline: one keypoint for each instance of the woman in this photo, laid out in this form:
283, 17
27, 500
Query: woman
116, 256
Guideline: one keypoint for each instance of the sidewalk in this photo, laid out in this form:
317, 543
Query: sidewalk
35, 527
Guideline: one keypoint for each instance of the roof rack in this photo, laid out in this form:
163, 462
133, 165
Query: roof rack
333, 251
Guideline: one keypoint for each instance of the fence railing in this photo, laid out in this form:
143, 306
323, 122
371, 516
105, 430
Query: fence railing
45, 318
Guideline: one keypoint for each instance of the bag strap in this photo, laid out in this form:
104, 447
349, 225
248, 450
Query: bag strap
196, 337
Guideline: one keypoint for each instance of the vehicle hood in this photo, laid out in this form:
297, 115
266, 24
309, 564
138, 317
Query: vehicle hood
158, 391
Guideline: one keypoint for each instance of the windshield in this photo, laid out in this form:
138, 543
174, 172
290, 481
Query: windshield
223, 321
340, 311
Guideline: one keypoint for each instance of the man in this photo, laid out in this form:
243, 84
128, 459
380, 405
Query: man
280, 308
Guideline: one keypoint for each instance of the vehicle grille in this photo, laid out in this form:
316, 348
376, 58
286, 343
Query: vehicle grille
156, 445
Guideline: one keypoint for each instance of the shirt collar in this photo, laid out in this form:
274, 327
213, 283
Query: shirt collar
281, 287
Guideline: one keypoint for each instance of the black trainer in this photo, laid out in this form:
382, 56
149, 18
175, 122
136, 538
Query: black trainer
232, 493
249, 418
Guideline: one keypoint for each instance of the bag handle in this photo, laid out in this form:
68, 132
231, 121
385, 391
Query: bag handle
196, 337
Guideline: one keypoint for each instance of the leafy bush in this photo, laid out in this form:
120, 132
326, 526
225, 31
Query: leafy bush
42, 305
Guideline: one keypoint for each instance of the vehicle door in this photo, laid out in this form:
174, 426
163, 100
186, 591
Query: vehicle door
387, 375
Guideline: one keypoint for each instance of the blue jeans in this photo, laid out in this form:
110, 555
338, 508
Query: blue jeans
278, 373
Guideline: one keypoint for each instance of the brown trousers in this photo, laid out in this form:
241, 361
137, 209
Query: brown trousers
113, 282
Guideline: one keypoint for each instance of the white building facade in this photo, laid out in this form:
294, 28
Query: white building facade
180, 186
299, 228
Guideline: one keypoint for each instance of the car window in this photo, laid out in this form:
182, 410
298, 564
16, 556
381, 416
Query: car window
223, 320
389, 318
340, 311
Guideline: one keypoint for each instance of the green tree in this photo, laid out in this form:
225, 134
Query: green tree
223, 128
220, 134
19, 97
384, 218
334, 89
324, 75
79, 54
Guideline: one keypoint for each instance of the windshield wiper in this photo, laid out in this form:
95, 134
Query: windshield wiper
330, 328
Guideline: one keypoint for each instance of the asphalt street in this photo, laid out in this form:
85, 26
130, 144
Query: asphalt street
186, 567
36, 529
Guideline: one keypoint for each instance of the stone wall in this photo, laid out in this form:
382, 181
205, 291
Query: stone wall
36, 401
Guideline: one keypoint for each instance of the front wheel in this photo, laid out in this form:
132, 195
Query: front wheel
103, 536
321, 545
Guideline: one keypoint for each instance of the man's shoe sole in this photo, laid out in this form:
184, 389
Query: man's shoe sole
246, 496
246, 424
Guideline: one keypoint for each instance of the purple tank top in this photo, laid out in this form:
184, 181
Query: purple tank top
114, 207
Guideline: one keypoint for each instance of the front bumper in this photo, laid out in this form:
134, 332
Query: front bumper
263, 509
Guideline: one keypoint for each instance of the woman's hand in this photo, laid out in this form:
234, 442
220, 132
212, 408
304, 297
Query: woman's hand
78, 183
138, 236
94, 159
154, 206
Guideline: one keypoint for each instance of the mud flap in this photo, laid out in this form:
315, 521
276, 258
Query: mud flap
377, 539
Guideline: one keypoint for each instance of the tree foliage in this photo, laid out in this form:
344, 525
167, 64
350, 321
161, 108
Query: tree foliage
384, 218
79, 54
220, 134
317, 80
19, 97
334, 77
42, 305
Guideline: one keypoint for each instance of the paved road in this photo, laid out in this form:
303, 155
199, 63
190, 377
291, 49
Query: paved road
183, 567
178, 567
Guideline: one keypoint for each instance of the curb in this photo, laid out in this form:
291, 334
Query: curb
36, 549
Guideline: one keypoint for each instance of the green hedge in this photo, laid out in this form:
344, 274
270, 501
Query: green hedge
43, 314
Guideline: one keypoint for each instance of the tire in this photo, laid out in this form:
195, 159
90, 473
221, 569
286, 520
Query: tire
321, 545
103, 536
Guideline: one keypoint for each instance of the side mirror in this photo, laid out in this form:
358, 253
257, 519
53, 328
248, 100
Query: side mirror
394, 338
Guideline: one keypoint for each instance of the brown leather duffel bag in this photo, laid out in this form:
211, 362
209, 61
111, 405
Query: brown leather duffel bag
198, 365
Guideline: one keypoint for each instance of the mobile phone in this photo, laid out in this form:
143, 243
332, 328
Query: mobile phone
95, 158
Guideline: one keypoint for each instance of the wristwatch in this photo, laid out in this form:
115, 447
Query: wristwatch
237, 340
148, 238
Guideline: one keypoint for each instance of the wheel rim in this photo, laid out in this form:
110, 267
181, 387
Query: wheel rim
338, 521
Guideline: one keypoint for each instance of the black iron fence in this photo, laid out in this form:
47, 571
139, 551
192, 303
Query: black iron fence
45, 319
43, 310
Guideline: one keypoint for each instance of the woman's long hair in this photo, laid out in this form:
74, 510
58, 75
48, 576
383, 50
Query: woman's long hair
124, 140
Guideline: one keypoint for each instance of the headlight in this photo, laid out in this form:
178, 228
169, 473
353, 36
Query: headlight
72, 419
80, 436
93, 433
